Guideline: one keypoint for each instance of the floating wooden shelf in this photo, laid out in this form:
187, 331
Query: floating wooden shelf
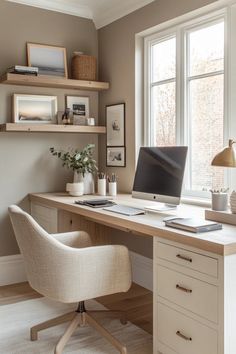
51, 128
55, 82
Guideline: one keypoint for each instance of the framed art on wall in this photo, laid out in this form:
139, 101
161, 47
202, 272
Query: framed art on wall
34, 109
116, 156
50, 60
115, 124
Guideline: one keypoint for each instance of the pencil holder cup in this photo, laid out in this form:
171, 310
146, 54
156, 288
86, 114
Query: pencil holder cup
219, 201
112, 186
102, 186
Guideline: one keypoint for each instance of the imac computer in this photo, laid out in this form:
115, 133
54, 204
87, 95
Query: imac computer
159, 175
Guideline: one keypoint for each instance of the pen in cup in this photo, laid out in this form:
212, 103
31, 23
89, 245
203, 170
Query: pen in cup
112, 184
102, 183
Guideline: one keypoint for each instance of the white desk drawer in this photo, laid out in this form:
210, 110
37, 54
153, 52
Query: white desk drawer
163, 349
184, 335
192, 260
190, 293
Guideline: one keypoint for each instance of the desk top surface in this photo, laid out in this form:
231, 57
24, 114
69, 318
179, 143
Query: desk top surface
222, 242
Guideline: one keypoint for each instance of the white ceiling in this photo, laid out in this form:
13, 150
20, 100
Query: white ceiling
102, 12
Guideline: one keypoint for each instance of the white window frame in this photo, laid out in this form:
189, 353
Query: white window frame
159, 37
182, 103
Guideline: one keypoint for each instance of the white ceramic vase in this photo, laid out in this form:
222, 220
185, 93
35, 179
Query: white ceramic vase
87, 180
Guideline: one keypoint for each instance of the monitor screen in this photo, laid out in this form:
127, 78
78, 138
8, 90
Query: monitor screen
159, 173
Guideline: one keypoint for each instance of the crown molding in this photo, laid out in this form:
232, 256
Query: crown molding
62, 6
114, 13
102, 15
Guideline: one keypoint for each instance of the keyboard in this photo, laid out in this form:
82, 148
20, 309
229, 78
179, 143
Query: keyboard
125, 210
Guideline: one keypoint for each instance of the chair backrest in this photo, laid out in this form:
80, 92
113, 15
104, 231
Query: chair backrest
41, 252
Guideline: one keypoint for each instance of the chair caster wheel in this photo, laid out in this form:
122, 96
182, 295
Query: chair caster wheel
123, 321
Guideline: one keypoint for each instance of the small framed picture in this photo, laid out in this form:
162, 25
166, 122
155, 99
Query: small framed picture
50, 60
80, 108
34, 109
116, 156
115, 124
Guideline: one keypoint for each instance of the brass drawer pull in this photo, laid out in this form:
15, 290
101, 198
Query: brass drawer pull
184, 258
179, 334
183, 289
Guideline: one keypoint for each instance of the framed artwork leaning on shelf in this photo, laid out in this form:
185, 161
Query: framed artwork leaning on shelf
80, 108
50, 60
38, 109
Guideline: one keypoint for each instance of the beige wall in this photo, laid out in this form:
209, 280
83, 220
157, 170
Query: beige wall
25, 164
117, 65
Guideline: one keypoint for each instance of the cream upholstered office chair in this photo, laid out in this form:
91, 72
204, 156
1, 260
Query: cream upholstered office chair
67, 268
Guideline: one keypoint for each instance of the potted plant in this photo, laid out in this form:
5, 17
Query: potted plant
82, 163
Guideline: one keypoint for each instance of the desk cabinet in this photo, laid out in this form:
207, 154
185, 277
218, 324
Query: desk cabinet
194, 300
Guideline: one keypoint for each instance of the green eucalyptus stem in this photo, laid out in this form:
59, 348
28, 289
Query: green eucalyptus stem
78, 161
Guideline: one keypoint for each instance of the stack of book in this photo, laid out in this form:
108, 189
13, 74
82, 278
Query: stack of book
23, 70
192, 224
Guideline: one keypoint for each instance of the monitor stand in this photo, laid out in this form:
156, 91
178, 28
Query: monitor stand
160, 207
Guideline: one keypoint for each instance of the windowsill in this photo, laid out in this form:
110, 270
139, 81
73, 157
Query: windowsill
203, 202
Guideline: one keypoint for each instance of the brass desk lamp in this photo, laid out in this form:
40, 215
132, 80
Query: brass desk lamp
227, 157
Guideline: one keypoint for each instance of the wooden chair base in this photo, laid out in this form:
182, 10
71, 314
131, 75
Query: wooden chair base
80, 319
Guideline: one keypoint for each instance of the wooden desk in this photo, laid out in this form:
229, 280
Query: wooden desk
194, 275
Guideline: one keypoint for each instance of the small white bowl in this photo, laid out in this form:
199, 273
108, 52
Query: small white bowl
75, 189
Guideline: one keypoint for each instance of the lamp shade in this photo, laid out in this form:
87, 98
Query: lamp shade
227, 157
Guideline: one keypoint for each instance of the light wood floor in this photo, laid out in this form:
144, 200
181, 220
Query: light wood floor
137, 302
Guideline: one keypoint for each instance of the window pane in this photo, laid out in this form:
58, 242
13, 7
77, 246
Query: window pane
206, 112
163, 114
163, 60
206, 49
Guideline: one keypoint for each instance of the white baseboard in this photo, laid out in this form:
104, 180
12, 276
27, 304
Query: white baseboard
12, 270
142, 269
